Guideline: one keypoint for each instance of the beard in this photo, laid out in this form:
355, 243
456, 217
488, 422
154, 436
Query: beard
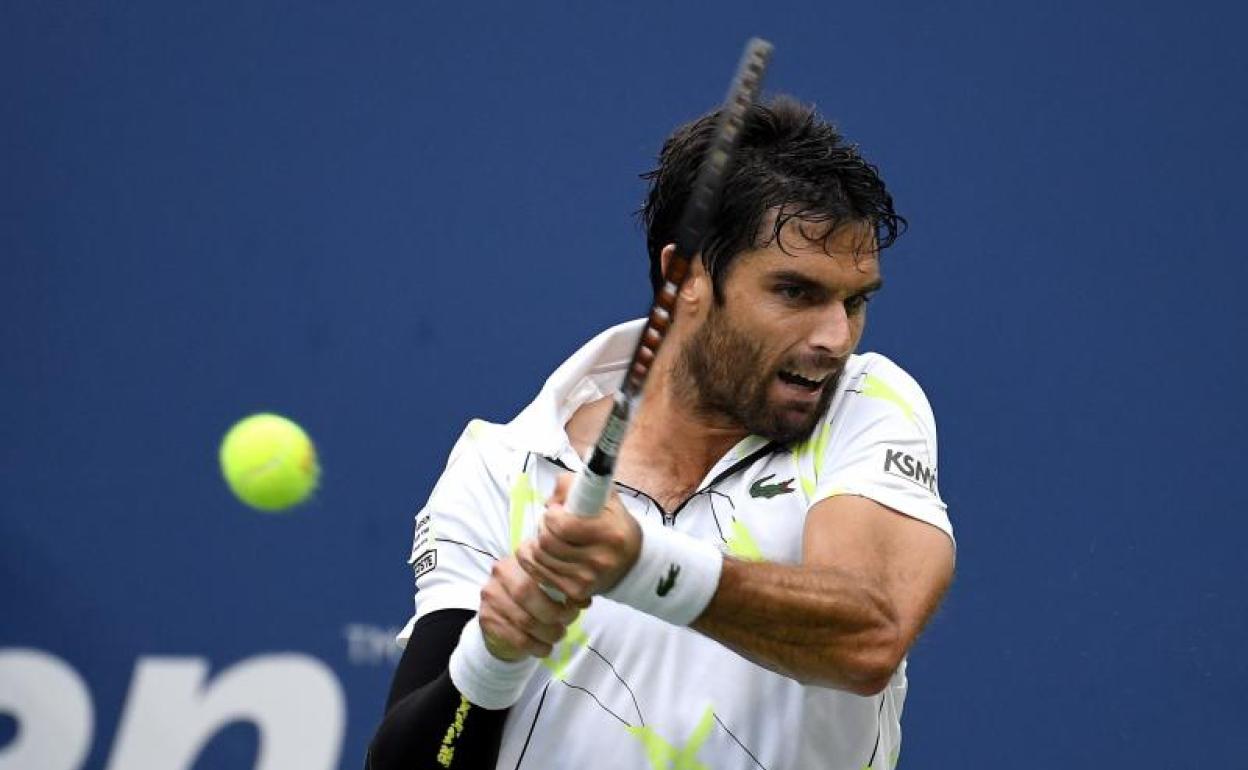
722, 371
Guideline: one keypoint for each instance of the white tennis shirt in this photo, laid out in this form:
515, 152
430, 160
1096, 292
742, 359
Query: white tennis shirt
625, 690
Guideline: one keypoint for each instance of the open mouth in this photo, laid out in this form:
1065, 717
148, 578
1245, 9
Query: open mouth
793, 378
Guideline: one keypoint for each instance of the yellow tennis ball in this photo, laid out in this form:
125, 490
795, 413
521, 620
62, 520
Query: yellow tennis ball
269, 462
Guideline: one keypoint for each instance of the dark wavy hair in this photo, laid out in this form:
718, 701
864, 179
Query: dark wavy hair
789, 163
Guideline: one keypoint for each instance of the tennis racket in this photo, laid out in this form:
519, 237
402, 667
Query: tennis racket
593, 484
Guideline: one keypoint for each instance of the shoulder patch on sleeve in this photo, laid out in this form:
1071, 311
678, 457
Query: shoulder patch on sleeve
425, 562
422, 539
904, 465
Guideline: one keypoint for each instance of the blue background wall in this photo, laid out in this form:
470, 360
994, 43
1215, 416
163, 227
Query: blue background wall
386, 219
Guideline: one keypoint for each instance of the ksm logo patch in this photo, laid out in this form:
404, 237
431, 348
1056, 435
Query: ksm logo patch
899, 463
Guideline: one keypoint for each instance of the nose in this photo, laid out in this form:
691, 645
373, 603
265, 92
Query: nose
833, 334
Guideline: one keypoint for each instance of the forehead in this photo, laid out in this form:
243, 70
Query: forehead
844, 257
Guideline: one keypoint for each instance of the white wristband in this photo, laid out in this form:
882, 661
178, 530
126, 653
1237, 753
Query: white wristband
483, 679
674, 578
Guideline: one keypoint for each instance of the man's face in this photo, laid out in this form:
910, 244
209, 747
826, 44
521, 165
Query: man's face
768, 359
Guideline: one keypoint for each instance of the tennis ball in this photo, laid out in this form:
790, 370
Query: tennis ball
269, 462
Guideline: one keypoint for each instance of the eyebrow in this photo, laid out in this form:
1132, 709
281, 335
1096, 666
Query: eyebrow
800, 279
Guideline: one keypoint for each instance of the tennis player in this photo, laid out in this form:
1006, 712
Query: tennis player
776, 540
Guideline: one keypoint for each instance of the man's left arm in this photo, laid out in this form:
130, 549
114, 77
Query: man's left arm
869, 580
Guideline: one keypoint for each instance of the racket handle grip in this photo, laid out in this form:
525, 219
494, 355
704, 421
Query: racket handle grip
555, 594
586, 497
589, 493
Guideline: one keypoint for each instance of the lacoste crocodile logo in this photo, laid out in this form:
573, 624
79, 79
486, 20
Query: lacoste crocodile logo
668, 582
761, 488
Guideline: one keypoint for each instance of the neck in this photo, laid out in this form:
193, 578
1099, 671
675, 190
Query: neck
668, 426
670, 446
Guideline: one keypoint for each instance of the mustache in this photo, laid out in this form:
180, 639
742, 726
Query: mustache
818, 362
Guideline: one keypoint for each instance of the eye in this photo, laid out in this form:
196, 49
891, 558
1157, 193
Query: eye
857, 303
792, 292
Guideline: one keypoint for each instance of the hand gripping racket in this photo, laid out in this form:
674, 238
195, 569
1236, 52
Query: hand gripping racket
593, 484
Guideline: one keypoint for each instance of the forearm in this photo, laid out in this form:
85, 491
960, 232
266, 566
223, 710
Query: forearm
433, 725
427, 720
818, 625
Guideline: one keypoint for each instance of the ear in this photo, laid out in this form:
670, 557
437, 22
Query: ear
695, 292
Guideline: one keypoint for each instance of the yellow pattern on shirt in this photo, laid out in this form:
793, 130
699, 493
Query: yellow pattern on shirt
667, 756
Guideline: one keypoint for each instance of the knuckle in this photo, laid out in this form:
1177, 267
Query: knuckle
577, 592
491, 625
522, 592
525, 558
494, 591
544, 609
559, 610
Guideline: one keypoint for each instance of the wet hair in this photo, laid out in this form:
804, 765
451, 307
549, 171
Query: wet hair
790, 166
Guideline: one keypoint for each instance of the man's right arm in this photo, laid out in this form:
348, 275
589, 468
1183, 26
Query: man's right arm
427, 718
460, 555
459, 534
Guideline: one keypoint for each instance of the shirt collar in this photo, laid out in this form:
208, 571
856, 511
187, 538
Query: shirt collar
594, 371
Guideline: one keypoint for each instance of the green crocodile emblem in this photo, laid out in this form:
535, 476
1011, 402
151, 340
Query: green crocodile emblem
668, 582
761, 488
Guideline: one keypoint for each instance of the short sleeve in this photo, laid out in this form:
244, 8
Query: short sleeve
462, 529
882, 446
